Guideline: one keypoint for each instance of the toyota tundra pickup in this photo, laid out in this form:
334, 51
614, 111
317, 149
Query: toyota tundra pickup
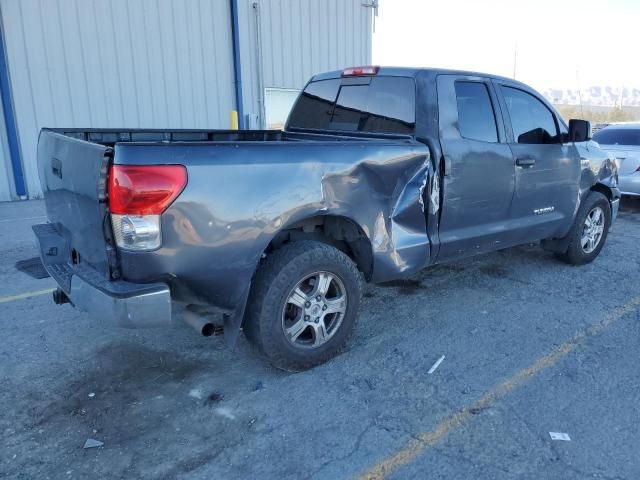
378, 173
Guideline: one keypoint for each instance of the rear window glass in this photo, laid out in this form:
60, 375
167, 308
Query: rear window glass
618, 136
476, 119
385, 105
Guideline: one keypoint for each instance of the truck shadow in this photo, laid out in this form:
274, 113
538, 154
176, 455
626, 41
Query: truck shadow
122, 377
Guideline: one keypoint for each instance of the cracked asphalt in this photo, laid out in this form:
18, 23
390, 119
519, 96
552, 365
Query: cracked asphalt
170, 404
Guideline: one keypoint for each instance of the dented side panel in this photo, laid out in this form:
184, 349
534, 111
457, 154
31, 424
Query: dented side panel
217, 230
598, 167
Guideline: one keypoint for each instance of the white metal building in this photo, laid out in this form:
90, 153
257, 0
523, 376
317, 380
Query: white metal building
161, 64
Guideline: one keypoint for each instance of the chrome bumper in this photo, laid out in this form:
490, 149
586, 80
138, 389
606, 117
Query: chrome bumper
152, 308
615, 206
130, 305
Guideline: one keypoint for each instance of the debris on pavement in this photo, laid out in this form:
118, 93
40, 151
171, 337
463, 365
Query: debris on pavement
92, 394
195, 393
225, 412
560, 436
93, 443
213, 398
435, 365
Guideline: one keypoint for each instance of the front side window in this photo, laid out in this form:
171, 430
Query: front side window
476, 119
531, 120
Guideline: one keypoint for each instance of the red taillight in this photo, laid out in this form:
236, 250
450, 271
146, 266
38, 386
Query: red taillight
359, 71
144, 189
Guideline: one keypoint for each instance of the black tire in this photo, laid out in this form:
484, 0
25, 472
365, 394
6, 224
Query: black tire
276, 278
575, 253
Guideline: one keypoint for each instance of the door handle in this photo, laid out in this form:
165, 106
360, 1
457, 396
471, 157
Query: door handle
525, 161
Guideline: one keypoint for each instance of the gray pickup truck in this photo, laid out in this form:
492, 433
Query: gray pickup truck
379, 173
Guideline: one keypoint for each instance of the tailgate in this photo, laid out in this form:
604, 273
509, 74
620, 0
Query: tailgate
73, 175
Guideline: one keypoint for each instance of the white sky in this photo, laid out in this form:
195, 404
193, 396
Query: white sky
559, 42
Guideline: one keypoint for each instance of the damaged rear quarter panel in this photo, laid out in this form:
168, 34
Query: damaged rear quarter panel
239, 196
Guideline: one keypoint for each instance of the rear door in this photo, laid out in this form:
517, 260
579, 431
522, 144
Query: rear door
478, 184
547, 171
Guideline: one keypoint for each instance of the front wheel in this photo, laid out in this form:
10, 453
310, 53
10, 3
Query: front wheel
303, 304
589, 231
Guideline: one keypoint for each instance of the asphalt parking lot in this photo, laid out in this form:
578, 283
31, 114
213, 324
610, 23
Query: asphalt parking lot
531, 346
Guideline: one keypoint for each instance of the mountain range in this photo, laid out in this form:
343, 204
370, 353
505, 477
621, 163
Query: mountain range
606, 96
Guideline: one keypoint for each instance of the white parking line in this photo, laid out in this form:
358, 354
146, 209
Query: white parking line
4, 220
22, 296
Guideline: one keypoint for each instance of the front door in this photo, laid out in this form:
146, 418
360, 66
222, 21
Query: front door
547, 172
478, 183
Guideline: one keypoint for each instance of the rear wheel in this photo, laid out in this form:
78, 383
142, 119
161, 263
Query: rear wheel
589, 232
303, 305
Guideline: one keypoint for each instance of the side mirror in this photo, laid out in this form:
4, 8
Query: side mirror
579, 130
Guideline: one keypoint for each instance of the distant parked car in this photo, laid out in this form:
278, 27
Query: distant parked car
623, 141
598, 126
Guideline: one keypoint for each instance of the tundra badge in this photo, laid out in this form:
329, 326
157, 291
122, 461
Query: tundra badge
542, 211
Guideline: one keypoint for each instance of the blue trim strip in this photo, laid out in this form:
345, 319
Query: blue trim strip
10, 123
235, 32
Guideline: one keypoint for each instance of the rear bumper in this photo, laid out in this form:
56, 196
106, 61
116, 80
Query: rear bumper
135, 308
131, 305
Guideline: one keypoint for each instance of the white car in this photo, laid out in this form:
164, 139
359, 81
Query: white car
623, 141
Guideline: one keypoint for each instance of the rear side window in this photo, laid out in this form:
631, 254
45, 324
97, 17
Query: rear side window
618, 136
531, 120
385, 105
476, 119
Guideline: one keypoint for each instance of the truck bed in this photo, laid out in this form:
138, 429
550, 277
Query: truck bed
243, 189
109, 137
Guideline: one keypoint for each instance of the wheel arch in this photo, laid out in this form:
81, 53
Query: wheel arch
338, 231
606, 190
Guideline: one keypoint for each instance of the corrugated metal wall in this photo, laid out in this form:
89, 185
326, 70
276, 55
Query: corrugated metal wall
300, 38
6, 173
163, 63
116, 63
327, 35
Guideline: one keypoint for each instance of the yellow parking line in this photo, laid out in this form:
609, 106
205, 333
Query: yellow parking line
425, 440
22, 296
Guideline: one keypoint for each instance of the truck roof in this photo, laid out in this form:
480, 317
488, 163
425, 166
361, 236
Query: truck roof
415, 71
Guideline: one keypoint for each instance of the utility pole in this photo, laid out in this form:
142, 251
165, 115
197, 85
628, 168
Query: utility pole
579, 93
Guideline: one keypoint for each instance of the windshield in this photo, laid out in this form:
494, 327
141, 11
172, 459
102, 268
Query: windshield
618, 136
383, 105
